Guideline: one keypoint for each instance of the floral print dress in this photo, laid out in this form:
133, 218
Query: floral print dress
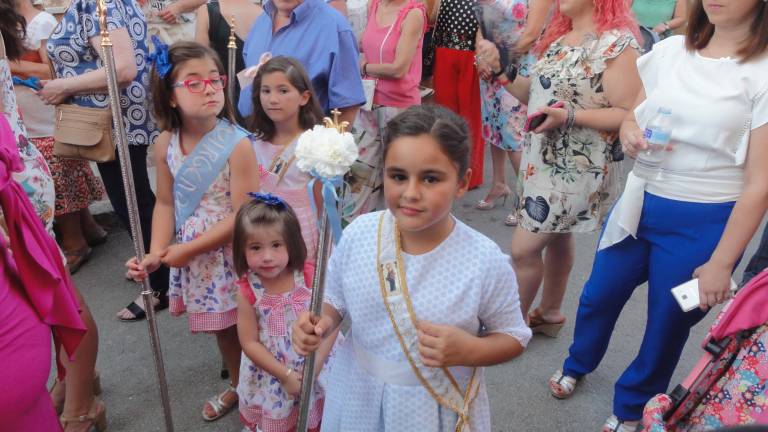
569, 179
36, 178
502, 114
205, 288
264, 405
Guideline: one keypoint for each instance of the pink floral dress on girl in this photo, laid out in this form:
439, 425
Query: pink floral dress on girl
205, 288
280, 176
263, 402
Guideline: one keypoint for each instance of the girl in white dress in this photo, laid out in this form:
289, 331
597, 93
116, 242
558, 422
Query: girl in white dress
284, 107
413, 357
269, 256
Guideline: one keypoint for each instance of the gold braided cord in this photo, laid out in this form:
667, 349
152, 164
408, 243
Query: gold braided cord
406, 295
468, 398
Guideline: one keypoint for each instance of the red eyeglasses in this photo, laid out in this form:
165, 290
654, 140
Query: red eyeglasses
198, 85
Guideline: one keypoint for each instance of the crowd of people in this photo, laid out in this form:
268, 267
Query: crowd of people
565, 90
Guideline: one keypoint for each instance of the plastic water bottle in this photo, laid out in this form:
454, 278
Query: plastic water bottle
657, 135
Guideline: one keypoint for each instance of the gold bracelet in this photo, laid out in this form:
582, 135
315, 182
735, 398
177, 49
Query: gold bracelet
290, 371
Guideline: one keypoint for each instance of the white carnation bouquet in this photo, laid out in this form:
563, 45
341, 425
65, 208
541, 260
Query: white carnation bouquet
326, 152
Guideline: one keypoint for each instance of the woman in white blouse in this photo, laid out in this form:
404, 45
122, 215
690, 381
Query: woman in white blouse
695, 218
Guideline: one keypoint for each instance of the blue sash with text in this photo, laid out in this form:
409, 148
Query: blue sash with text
202, 166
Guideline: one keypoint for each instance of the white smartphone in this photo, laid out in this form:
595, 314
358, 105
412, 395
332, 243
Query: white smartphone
687, 294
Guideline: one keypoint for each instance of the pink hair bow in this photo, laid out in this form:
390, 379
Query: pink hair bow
246, 76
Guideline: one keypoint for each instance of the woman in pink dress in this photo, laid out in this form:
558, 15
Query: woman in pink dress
36, 296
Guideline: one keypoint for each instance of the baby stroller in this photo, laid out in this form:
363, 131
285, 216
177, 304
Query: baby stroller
728, 385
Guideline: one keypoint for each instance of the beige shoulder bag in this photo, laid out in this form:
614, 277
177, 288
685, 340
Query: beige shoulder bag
83, 132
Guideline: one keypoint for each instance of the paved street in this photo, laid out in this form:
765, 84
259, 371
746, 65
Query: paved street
519, 397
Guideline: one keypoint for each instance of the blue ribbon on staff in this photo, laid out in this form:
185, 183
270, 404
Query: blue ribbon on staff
330, 198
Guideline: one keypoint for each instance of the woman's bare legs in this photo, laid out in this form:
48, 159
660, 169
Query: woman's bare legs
533, 266
90, 228
558, 262
514, 157
499, 182
72, 238
527, 248
80, 373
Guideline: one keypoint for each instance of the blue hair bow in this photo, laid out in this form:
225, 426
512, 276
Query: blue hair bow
268, 199
32, 82
159, 57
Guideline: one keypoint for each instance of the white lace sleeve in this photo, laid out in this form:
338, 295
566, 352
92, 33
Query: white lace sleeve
500, 309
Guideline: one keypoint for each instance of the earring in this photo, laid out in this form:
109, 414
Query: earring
173, 104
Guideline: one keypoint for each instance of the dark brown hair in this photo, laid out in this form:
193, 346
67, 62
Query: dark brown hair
700, 31
446, 127
167, 117
257, 213
309, 115
13, 28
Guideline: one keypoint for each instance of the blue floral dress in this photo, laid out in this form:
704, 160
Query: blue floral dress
502, 114
263, 402
71, 53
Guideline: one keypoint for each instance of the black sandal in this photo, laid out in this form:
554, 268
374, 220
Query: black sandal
139, 313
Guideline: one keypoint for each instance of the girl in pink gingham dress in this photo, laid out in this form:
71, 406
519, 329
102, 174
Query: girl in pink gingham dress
284, 107
269, 255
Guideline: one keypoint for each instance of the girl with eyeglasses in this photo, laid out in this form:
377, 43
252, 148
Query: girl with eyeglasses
204, 169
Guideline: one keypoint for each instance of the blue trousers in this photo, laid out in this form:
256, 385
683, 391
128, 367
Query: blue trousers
673, 239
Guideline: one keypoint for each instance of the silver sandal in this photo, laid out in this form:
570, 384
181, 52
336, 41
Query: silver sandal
613, 424
220, 407
511, 219
562, 386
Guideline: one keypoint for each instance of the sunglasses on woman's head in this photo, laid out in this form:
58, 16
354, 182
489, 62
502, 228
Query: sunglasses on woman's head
198, 85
